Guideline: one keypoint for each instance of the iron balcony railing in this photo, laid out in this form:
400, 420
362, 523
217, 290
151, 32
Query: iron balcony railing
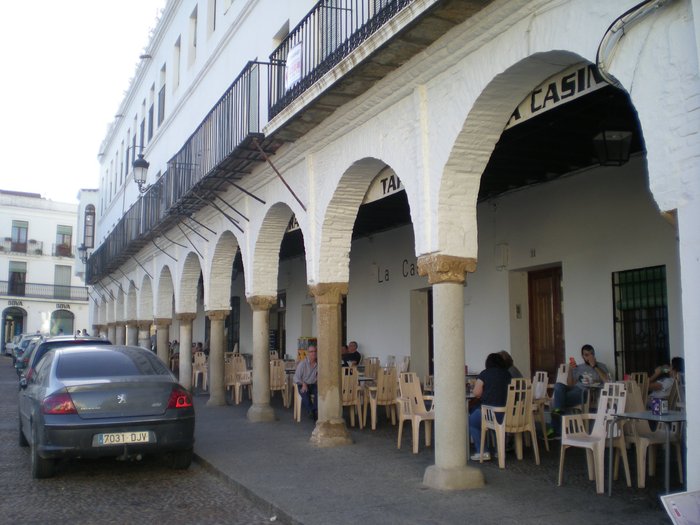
230, 123
30, 247
325, 36
63, 250
43, 291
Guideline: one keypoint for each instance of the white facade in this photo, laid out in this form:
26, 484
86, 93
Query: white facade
38, 289
434, 122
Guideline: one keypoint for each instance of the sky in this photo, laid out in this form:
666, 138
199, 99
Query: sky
66, 67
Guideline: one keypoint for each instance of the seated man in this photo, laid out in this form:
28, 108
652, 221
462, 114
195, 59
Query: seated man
573, 393
305, 377
352, 355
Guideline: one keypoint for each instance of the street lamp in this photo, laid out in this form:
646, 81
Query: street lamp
83, 253
140, 166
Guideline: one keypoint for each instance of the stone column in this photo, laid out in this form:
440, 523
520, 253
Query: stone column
163, 339
132, 333
95, 330
689, 258
145, 334
119, 334
111, 332
217, 390
186, 348
261, 410
447, 276
330, 428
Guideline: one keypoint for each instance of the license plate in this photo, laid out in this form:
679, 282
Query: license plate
122, 438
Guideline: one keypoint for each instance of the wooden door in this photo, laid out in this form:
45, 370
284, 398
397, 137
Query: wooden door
546, 322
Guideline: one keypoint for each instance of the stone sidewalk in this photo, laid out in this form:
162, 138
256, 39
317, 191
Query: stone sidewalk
372, 481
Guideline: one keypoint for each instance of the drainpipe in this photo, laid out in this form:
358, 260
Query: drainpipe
617, 30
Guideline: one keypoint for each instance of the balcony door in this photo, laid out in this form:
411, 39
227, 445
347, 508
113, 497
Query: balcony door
61, 281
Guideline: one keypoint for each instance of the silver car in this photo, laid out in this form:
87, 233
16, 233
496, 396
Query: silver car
95, 401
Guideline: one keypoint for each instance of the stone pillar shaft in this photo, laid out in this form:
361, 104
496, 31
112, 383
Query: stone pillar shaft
120, 334
132, 333
111, 332
163, 339
186, 349
450, 472
145, 334
261, 409
330, 428
217, 390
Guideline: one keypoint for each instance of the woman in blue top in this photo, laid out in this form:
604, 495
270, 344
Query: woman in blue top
491, 388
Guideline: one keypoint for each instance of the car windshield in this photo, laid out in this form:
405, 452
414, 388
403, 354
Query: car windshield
112, 363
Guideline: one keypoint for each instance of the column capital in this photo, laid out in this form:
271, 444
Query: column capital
328, 293
111, 324
97, 327
144, 325
186, 317
442, 268
261, 302
217, 315
162, 321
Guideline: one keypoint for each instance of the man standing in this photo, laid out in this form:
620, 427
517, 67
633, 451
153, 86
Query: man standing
306, 377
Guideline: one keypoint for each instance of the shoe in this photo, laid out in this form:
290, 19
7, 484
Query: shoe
479, 456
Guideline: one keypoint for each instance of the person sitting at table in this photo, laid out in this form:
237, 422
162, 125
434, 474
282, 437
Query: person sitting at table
661, 381
573, 393
352, 355
512, 369
491, 388
306, 377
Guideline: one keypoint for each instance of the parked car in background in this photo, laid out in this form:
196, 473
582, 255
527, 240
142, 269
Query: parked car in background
39, 348
11, 344
97, 401
20, 347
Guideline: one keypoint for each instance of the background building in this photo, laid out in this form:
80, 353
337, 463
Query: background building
40, 292
432, 178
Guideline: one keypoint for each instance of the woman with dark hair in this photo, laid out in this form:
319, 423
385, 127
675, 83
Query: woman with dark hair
491, 388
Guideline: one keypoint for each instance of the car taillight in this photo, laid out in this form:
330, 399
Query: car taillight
29, 374
179, 398
59, 403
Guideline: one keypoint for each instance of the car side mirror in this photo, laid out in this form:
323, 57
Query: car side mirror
23, 382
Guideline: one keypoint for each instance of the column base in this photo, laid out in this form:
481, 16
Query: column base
260, 414
459, 478
331, 433
216, 400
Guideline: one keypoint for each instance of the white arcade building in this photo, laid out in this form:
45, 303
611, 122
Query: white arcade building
436, 179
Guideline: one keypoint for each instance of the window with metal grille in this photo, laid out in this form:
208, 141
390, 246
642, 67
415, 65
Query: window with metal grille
641, 319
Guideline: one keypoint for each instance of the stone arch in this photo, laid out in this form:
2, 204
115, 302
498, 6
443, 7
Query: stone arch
459, 187
263, 278
339, 220
186, 299
164, 294
217, 293
145, 300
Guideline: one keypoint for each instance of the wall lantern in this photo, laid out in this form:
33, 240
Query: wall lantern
83, 253
612, 147
140, 166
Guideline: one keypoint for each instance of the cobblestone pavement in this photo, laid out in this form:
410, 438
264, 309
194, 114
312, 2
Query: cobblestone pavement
107, 491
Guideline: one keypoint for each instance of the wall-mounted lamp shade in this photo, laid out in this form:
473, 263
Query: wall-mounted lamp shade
83, 253
140, 166
613, 147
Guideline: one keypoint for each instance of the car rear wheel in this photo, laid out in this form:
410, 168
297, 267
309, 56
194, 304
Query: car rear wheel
181, 460
22, 438
41, 467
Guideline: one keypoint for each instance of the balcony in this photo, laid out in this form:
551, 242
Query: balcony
220, 152
63, 250
225, 146
334, 31
43, 291
32, 247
